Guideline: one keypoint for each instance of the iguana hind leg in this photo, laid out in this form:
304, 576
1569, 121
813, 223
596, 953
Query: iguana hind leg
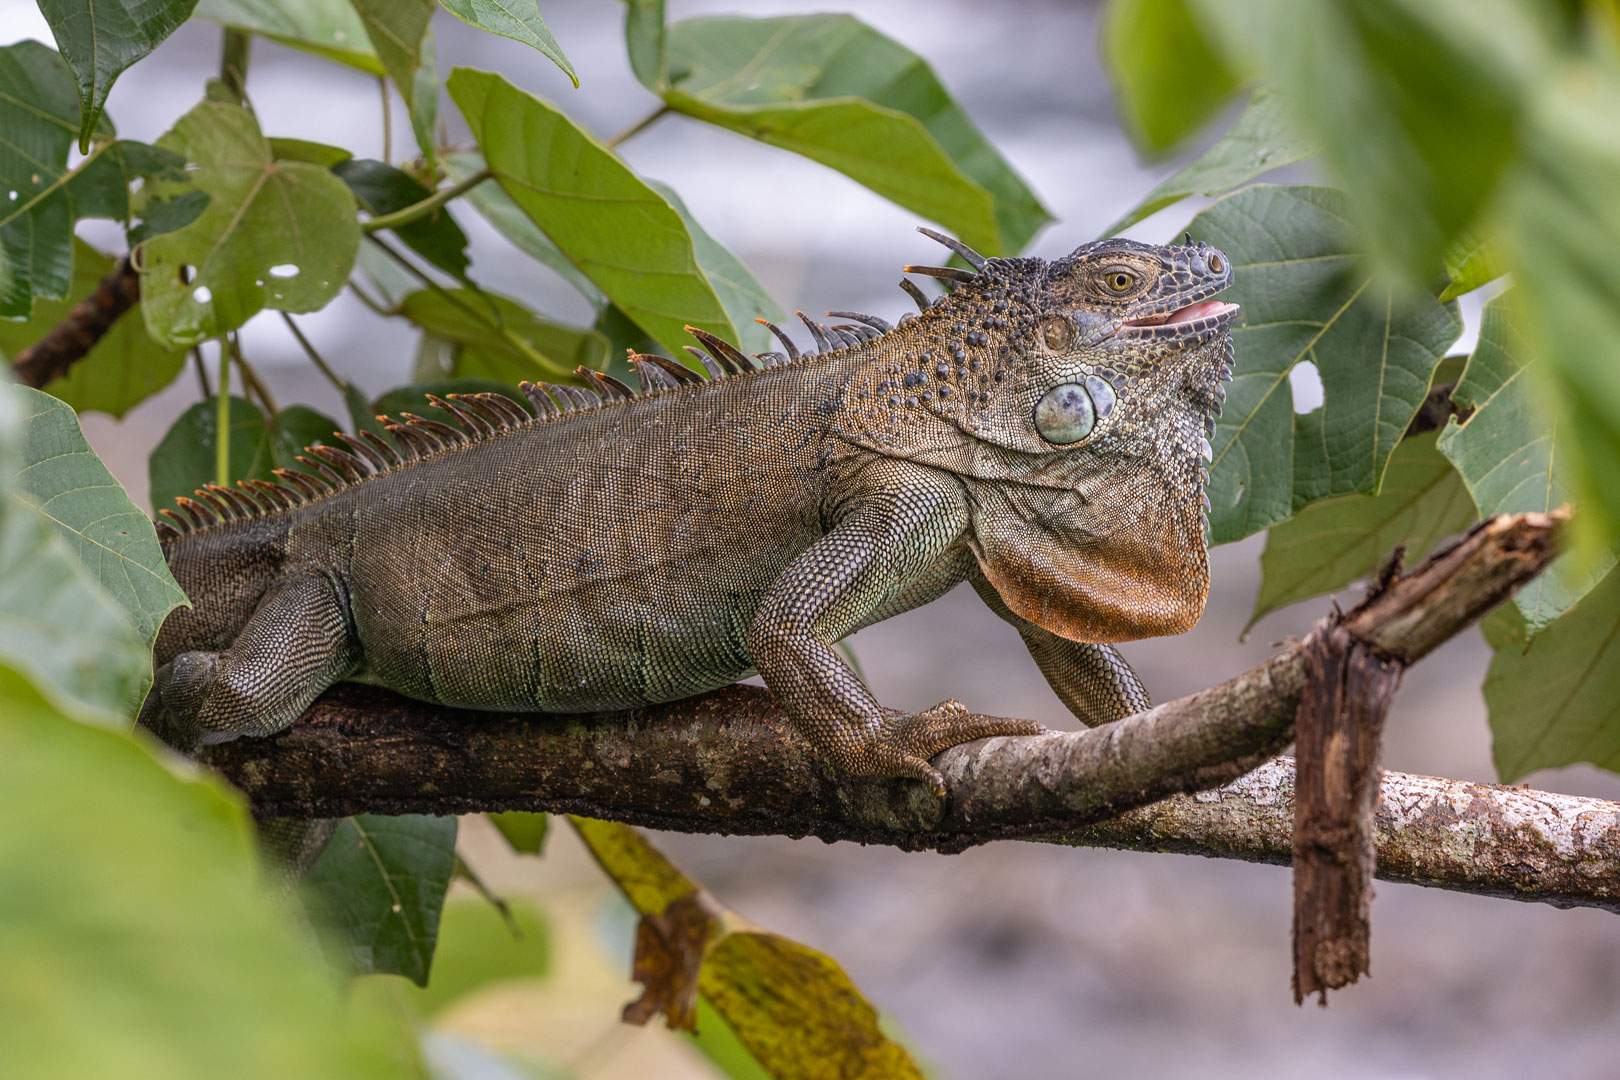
896, 532
295, 645
1092, 680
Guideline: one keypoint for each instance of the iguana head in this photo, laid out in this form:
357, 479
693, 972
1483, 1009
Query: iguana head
1074, 398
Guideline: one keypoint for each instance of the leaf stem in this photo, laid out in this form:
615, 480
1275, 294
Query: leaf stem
500, 328
222, 420
428, 205
388, 124
637, 127
315, 357
250, 377
233, 62
376, 306
202, 373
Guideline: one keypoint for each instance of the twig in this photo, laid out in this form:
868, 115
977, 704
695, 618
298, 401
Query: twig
387, 121
71, 339
250, 377
376, 306
322, 366
428, 205
730, 762
202, 372
637, 128
222, 420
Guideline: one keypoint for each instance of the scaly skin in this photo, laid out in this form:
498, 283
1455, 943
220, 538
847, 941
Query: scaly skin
657, 546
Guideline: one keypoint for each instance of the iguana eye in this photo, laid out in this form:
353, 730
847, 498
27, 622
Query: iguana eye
1120, 281
1066, 414
1215, 263
1058, 334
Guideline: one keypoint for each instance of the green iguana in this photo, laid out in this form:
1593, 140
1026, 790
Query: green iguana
1040, 431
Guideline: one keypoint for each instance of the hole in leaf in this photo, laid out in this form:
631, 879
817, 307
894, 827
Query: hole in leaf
202, 294
186, 274
1306, 382
13, 196
285, 270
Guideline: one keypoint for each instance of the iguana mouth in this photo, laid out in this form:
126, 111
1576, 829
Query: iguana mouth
1192, 313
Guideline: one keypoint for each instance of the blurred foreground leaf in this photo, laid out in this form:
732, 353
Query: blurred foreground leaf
526, 832
1168, 78
836, 91
478, 948
377, 891
793, 1008
1307, 297
133, 897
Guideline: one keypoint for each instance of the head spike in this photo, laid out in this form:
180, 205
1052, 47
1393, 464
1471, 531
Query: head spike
916, 294
944, 273
728, 355
1189, 238
880, 325
777, 332
710, 365
673, 368
974, 259
817, 331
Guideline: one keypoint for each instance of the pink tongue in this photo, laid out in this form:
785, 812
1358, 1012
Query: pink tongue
1195, 311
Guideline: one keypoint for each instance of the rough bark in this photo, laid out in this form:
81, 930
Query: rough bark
68, 341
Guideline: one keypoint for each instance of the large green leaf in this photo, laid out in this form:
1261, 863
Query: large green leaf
740, 293
492, 201
1514, 456
835, 90
329, 28
39, 116
279, 234
618, 231
1168, 78
123, 368
1561, 232
138, 939
1307, 297
645, 40
382, 189
502, 339
1263, 138
1553, 699
57, 472
100, 38
377, 891
1419, 104
792, 1008
398, 30
1331, 543
184, 459
516, 19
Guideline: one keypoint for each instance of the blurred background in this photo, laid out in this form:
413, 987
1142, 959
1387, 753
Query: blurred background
1015, 960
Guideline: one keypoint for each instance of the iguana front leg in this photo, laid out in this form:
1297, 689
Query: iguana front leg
895, 532
1092, 680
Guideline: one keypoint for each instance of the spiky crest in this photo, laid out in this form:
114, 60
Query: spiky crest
329, 469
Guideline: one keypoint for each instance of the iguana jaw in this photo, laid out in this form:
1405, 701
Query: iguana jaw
1192, 313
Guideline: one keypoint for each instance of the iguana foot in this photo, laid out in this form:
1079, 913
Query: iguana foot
903, 745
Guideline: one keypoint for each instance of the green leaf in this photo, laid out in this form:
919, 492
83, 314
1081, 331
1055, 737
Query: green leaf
378, 888
1336, 541
516, 19
492, 201
123, 368
740, 293
834, 90
526, 832
1168, 77
480, 946
1513, 454
1263, 138
382, 189
39, 114
504, 341
1470, 261
397, 30
329, 28
423, 101
134, 896
792, 1008
58, 473
184, 459
313, 152
1307, 297
619, 232
1419, 104
279, 234
1552, 698
1561, 228
100, 39
645, 39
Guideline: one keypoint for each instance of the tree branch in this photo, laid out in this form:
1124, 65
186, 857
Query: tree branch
85, 324
729, 762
